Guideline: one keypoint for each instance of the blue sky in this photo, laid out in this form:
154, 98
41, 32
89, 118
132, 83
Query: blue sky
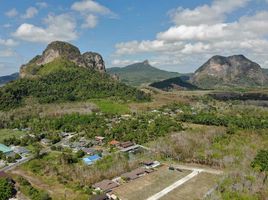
175, 35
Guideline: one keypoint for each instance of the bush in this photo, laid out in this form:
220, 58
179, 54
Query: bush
260, 162
7, 189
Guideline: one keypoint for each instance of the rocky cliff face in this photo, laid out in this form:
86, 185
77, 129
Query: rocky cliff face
233, 71
66, 51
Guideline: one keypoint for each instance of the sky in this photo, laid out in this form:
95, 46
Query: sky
174, 35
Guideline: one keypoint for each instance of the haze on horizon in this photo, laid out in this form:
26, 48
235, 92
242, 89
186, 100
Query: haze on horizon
173, 35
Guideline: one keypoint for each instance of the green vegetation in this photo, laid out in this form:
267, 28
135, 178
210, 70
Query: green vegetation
7, 189
141, 73
72, 84
54, 66
28, 190
261, 161
108, 106
7, 133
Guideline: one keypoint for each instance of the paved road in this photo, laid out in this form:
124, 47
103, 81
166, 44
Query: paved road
10, 167
210, 171
174, 185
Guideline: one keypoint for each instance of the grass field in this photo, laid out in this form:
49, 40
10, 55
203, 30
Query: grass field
108, 106
148, 185
195, 188
7, 133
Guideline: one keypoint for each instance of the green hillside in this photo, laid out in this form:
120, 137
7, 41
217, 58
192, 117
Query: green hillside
62, 81
141, 73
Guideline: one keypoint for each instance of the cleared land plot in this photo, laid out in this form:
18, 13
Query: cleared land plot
148, 185
195, 188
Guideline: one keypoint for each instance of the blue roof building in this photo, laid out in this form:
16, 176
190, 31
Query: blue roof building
91, 159
6, 150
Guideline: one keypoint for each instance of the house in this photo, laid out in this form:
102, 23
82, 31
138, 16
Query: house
91, 159
126, 144
6, 150
100, 197
151, 164
114, 143
88, 151
105, 185
136, 173
99, 139
131, 148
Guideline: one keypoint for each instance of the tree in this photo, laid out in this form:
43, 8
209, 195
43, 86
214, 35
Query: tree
6, 189
80, 154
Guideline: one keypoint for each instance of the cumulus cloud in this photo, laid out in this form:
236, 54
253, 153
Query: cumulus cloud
59, 27
206, 14
90, 10
91, 21
90, 6
8, 42
203, 32
30, 13
12, 13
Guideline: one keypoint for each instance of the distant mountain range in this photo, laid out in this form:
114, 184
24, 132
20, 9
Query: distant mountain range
141, 73
217, 72
8, 78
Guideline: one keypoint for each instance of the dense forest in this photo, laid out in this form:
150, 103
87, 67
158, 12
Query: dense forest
70, 84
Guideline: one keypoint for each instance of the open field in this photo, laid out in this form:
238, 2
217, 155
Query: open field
148, 185
56, 191
195, 188
108, 106
7, 133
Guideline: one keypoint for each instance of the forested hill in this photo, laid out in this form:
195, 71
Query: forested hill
62, 74
141, 73
66, 84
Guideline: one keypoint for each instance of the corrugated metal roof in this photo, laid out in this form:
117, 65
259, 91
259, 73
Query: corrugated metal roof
5, 149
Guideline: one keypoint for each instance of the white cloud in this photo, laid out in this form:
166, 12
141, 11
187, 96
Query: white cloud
30, 13
42, 4
194, 39
90, 6
123, 63
90, 10
206, 14
8, 42
91, 21
7, 53
199, 32
59, 27
12, 13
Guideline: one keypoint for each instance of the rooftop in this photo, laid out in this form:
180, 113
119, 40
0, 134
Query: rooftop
5, 149
105, 185
91, 159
